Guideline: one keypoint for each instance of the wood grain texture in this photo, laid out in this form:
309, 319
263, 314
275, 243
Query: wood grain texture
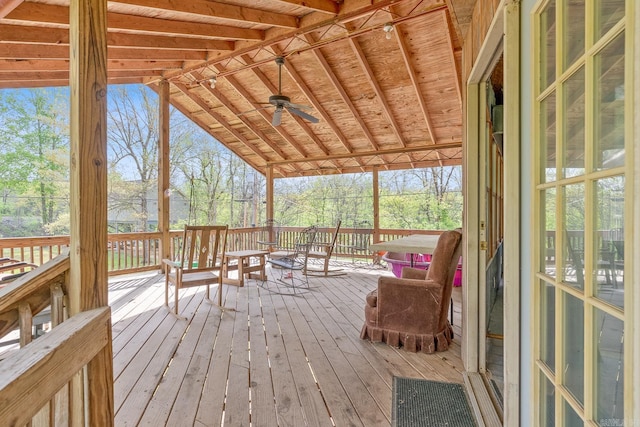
31, 377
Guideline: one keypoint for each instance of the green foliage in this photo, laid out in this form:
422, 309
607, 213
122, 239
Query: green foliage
34, 156
209, 184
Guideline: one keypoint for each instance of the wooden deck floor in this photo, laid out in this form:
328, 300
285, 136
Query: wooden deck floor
274, 360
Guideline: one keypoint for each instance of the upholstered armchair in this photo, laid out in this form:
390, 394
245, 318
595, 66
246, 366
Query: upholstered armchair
411, 311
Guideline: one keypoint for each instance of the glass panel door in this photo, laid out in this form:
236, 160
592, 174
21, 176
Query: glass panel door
581, 164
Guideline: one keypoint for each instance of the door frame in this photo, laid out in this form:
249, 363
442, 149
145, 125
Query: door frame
502, 36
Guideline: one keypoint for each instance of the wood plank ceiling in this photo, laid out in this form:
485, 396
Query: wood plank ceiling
391, 100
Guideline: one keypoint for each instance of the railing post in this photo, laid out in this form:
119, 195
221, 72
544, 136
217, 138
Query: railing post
376, 205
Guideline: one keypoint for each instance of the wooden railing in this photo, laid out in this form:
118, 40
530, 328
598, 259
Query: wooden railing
134, 252
36, 381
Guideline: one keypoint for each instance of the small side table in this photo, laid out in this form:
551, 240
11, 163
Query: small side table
244, 266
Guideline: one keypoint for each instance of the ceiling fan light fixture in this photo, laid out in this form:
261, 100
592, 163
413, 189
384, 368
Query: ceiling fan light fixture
212, 82
388, 29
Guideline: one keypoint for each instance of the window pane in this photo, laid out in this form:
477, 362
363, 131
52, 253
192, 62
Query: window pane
573, 326
574, 28
608, 274
608, 13
548, 45
550, 225
573, 223
547, 402
548, 324
609, 143
609, 357
573, 138
571, 419
548, 137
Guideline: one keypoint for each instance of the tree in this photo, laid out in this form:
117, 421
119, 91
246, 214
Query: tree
133, 132
34, 156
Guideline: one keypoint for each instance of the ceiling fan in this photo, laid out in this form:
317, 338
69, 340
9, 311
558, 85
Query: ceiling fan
281, 101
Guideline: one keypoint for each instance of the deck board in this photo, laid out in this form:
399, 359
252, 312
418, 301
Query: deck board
266, 359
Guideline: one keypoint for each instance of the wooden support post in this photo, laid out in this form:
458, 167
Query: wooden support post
164, 191
269, 184
376, 205
88, 230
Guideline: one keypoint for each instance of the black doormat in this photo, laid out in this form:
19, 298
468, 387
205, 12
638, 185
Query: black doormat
418, 402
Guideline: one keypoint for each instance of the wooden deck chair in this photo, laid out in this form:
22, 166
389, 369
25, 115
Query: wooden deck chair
324, 252
200, 262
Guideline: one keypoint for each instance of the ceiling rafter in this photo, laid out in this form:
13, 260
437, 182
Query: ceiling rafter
53, 14
327, 6
301, 122
203, 125
441, 146
243, 92
218, 10
304, 29
343, 94
218, 117
64, 74
28, 51
63, 64
316, 104
452, 55
261, 135
60, 36
382, 99
422, 102
6, 6
52, 82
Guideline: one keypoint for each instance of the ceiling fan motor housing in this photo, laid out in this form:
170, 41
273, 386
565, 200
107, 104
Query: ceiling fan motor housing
279, 100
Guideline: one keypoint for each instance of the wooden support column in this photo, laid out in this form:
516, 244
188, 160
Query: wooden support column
269, 184
88, 256
376, 205
164, 191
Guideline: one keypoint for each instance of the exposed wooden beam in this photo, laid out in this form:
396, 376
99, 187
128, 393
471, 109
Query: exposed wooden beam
343, 94
352, 13
318, 106
327, 6
218, 10
382, 99
245, 94
221, 120
430, 147
302, 86
261, 135
194, 117
6, 6
64, 75
52, 14
11, 65
424, 108
34, 83
60, 36
301, 122
30, 51
452, 56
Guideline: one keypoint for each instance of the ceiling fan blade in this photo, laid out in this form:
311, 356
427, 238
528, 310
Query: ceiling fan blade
277, 117
298, 106
302, 114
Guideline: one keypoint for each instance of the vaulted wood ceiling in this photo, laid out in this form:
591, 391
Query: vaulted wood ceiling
388, 100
